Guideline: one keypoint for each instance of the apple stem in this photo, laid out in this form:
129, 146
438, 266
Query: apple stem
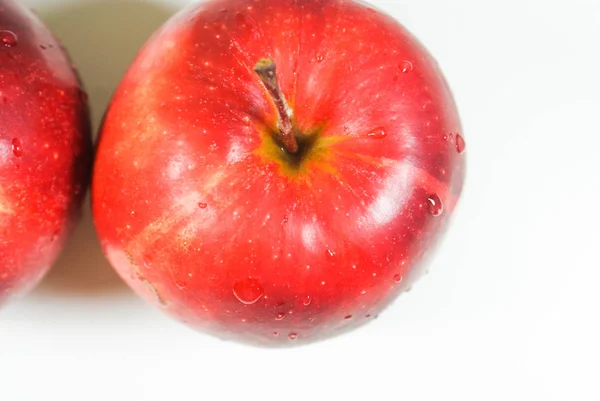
266, 70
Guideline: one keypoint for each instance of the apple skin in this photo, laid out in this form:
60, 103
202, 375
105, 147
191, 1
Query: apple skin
199, 210
45, 149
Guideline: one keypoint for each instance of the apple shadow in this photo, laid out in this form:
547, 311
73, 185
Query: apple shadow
102, 38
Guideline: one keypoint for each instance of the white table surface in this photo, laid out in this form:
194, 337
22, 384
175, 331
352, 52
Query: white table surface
510, 309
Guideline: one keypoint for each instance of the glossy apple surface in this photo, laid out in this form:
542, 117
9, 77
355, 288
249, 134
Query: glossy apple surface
44, 148
204, 212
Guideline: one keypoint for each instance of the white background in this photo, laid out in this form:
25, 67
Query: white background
510, 309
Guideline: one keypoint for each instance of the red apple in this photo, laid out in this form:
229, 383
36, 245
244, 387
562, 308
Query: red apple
44, 148
277, 171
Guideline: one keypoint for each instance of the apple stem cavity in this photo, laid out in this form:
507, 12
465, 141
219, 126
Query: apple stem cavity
267, 72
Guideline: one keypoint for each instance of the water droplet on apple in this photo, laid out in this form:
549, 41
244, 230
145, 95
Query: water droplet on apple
331, 252
460, 143
348, 317
246, 121
180, 283
397, 278
293, 336
435, 205
307, 300
202, 205
405, 66
285, 220
8, 38
279, 316
320, 58
248, 291
17, 147
378, 133
240, 19
147, 261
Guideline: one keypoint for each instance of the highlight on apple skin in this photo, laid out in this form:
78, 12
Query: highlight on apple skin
45, 149
277, 172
